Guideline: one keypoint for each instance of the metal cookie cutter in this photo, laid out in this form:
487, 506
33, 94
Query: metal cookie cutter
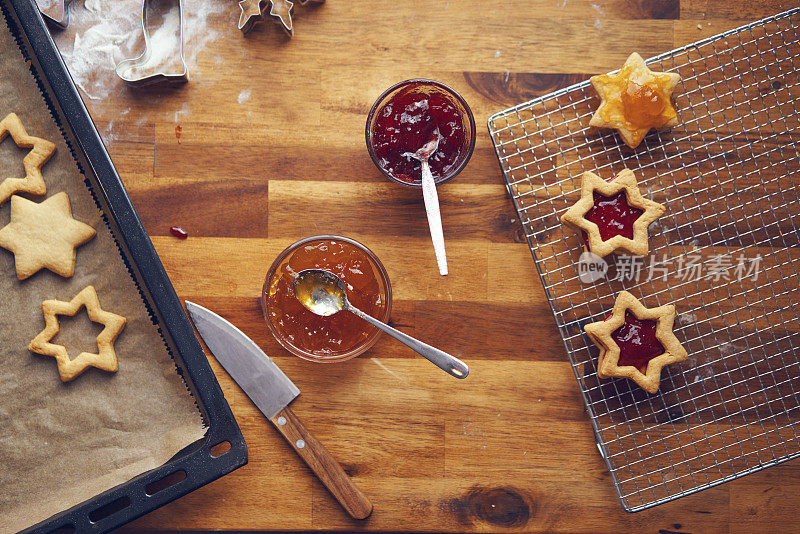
151, 67
250, 15
55, 11
281, 13
252, 11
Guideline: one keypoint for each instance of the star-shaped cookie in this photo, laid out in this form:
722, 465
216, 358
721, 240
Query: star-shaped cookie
625, 181
106, 357
602, 333
44, 236
41, 150
635, 100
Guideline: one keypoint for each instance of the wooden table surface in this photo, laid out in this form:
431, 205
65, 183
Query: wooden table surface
509, 449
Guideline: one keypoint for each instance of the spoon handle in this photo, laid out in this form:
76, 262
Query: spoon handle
431, 199
449, 364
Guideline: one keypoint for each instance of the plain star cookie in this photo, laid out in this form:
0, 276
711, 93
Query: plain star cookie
44, 236
41, 150
635, 100
105, 358
636, 342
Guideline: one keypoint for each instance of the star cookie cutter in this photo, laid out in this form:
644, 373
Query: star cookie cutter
41, 150
624, 181
629, 110
105, 358
139, 71
281, 13
252, 12
55, 11
601, 335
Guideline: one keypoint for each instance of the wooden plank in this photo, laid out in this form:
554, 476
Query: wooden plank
764, 500
250, 259
242, 498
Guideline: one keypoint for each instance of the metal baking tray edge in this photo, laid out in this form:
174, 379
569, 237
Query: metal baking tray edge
158, 293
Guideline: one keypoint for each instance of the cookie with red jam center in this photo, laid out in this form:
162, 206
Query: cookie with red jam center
613, 216
636, 342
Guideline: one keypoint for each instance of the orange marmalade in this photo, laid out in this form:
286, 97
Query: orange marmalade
643, 100
339, 336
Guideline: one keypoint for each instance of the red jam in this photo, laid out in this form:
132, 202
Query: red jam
613, 215
409, 120
179, 232
637, 341
339, 334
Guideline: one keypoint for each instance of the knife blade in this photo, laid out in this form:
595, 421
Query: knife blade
272, 391
259, 377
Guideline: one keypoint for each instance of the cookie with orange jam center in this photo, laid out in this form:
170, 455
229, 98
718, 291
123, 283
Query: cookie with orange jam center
635, 100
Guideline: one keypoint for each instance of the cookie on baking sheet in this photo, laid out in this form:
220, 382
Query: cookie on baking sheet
44, 236
635, 100
636, 342
41, 150
105, 358
613, 215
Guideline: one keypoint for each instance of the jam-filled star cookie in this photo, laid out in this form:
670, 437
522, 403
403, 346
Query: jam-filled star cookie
41, 150
44, 236
105, 358
613, 215
636, 342
635, 100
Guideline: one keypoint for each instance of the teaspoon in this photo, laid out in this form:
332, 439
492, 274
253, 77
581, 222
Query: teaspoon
324, 293
431, 198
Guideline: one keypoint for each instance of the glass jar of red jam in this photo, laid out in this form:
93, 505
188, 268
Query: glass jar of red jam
340, 336
405, 117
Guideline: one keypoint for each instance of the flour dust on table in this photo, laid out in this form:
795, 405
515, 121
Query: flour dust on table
102, 33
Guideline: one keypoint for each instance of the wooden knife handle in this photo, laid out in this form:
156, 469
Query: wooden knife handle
323, 464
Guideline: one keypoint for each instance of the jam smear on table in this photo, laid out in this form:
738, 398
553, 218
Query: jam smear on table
613, 215
179, 232
338, 334
408, 121
637, 341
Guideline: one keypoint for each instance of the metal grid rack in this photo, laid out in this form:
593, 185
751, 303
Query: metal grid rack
729, 175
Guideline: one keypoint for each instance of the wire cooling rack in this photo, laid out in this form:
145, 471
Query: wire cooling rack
726, 254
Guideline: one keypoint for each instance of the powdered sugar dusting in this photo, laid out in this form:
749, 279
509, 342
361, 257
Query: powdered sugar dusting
164, 52
101, 33
184, 112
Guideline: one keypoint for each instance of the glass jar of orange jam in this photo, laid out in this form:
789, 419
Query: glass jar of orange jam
340, 336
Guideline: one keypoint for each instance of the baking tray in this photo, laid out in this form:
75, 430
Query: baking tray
159, 486
729, 175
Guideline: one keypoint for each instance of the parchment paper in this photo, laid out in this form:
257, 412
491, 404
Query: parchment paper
61, 444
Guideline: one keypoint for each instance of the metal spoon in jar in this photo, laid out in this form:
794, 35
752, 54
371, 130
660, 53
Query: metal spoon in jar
431, 199
323, 293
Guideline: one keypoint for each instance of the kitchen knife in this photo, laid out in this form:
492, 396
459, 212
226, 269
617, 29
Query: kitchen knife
272, 391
